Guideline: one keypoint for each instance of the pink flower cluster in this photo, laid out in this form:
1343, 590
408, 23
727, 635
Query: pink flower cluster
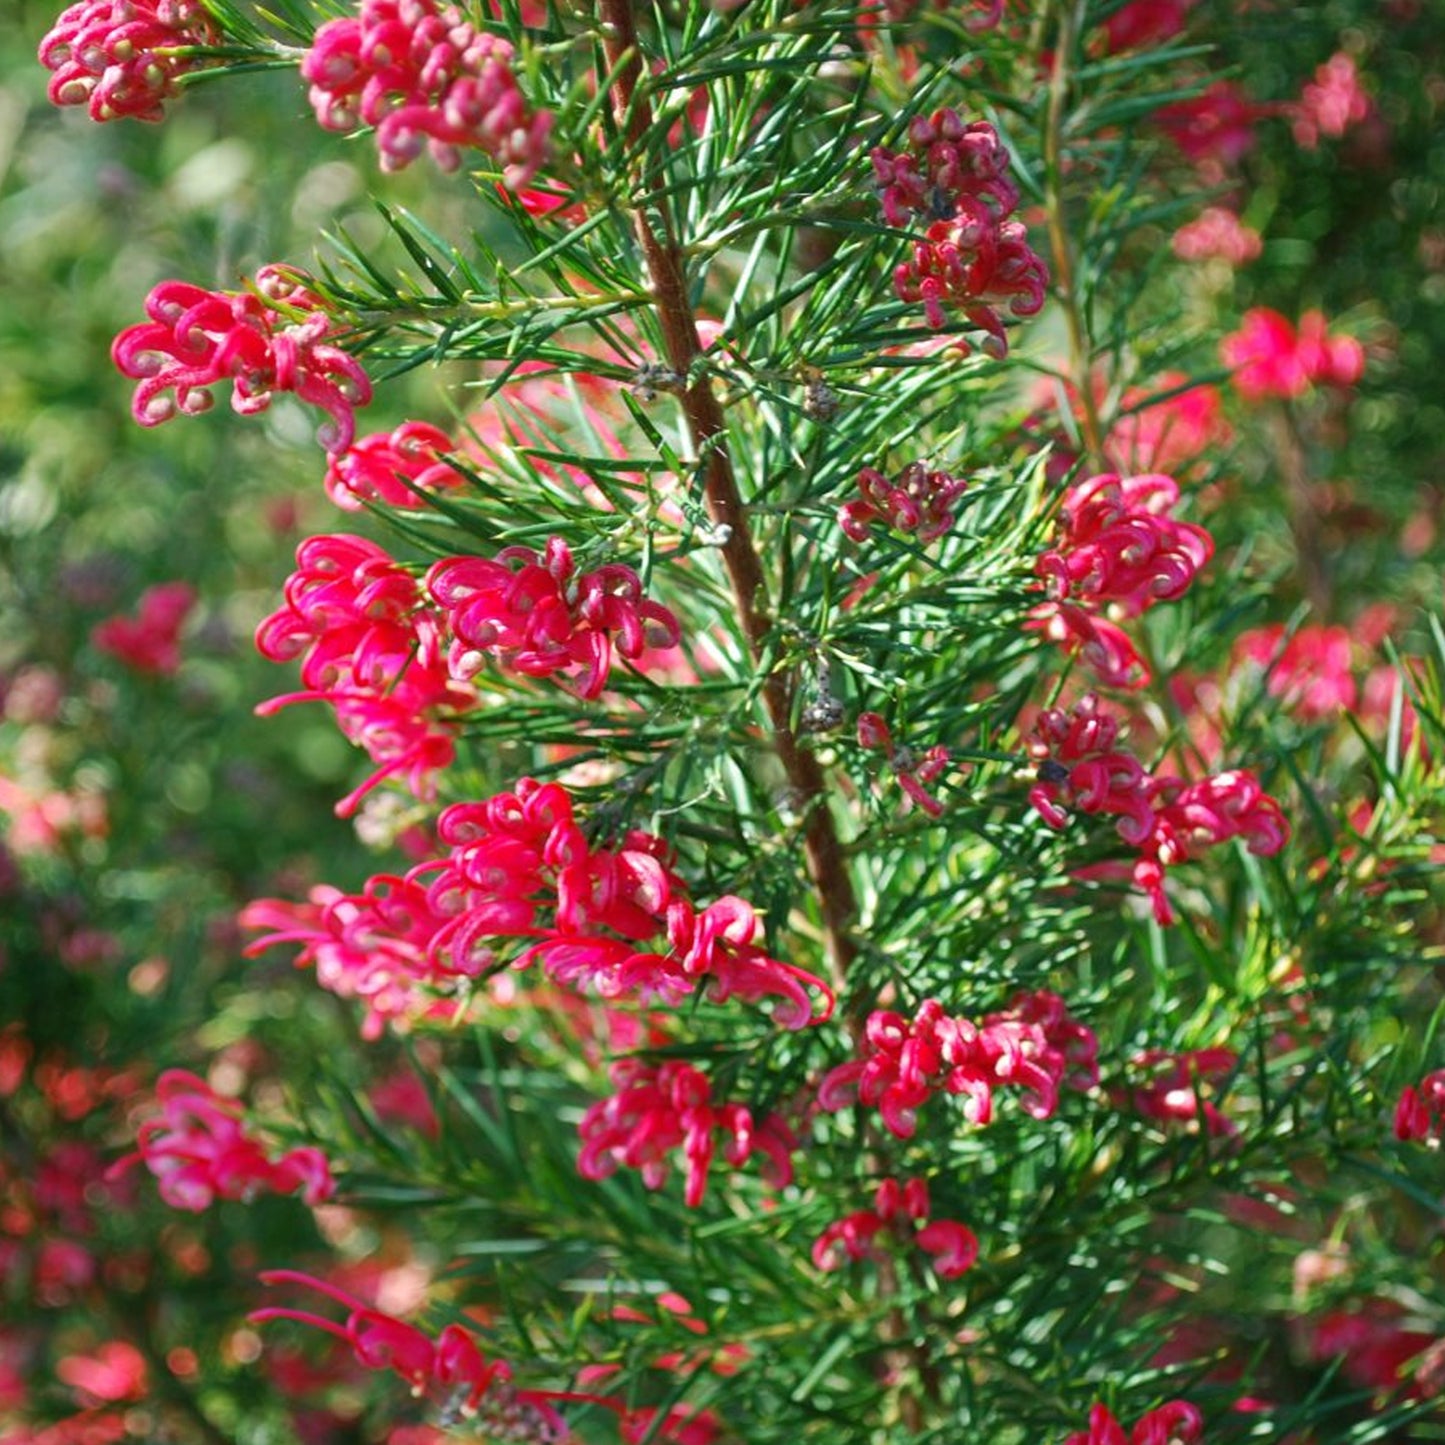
373, 946
1171, 1093
199, 1150
1081, 766
265, 341
658, 1109
453, 1362
1270, 358
1215, 130
387, 466
954, 179
897, 1209
914, 774
423, 75
916, 500
124, 57
540, 616
1311, 670
1036, 1046
1329, 104
1145, 22
1217, 234
1420, 1114
520, 884
150, 641
1119, 547
1175, 1423
371, 647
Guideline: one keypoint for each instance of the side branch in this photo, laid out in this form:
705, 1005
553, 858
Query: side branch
827, 867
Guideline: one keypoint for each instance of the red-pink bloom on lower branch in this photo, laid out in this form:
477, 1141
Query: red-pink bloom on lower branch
1329, 104
124, 57
452, 1364
1119, 544
1271, 359
1172, 1091
1420, 1114
521, 884
916, 500
199, 1150
904, 1062
974, 264
540, 616
375, 946
391, 467
659, 1110
1310, 671
1216, 127
900, 1211
1102, 646
424, 76
914, 773
150, 641
265, 341
1175, 1423
371, 647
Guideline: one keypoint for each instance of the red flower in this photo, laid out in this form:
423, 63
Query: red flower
149, 642
269, 340
199, 1150
1271, 359
424, 76
124, 57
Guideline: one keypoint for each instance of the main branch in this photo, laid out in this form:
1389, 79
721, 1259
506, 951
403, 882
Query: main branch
826, 865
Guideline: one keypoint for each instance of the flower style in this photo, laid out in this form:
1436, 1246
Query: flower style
267, 340
371, 647
199, 1150
1420, 1114
897, 1208
916, 500
124, 57
520, 884
1035, 1046
1080, 766
1172, 1093
424, 76
149, 642
1174, 1423
1270, 359
391, 467
954, 179
539, 616
914, 774
657, 1110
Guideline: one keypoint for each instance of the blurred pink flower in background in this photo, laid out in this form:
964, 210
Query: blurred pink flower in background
150, 641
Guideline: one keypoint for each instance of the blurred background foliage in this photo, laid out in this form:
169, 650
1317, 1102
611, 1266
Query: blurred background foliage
119, 951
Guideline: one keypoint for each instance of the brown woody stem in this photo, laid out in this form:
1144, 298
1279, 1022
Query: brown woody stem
822, 847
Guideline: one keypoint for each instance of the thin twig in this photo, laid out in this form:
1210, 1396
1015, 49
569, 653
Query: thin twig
652, 224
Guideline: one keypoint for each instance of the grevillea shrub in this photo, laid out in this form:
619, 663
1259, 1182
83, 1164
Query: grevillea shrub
834, 847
